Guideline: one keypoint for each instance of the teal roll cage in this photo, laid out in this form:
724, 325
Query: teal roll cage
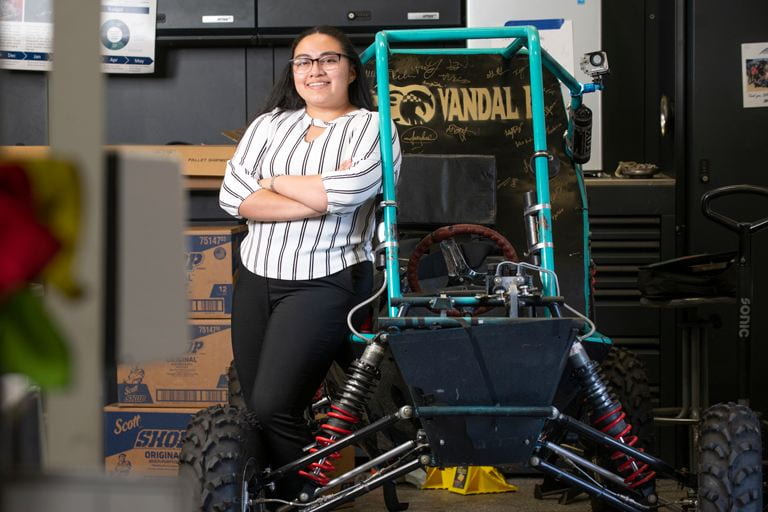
525, 41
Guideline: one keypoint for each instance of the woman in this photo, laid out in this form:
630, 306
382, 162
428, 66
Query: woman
305, 176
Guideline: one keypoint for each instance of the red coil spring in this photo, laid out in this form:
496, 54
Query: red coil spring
639, 470
316, 471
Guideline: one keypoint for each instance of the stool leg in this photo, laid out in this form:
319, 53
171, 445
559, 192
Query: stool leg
705, 366
685, 377
695, 372
693, 431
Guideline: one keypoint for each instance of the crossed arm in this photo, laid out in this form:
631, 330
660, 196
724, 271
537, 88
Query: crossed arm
288, 198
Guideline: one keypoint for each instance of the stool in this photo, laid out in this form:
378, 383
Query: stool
694, 356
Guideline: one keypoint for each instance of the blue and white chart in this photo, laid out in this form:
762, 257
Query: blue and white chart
126, 35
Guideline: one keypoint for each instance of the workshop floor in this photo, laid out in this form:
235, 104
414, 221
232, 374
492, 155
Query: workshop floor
520, 501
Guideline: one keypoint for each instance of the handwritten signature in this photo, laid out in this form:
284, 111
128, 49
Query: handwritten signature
523, 142
508, 182
460, 132
455, 65
429, 68
419, 135
514, 131
452, 77
493, 73
400, 75
554, 128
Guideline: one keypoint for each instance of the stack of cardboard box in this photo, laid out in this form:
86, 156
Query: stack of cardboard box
144, 430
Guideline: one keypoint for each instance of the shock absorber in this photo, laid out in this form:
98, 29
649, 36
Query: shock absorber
347, 409
607, 415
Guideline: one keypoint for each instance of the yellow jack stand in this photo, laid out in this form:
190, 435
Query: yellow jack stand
467, 480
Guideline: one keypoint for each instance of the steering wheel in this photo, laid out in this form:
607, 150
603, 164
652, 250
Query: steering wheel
454, 259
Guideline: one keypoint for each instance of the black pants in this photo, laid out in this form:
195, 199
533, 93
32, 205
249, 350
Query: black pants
285, 336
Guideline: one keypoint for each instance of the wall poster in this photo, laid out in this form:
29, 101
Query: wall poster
754, 74
126, 35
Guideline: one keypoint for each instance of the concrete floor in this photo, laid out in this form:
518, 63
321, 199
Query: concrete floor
520, 501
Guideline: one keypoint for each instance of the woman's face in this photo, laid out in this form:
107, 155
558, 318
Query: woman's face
323, 86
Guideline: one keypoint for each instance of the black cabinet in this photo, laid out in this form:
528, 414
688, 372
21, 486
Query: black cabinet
632, 224
288, 17
205, 19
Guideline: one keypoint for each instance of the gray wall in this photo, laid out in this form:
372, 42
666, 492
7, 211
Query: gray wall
23, 107
193, 96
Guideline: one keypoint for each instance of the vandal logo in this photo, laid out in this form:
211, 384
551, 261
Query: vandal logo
745, 317
411, 105
417, 105
482, 104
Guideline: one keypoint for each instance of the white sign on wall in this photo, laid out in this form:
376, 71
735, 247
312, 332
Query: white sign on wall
127, 35
578, 34
754, 74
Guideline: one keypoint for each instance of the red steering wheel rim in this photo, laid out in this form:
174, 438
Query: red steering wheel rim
444, 233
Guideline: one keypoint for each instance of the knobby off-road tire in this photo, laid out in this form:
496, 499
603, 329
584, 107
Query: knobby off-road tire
626, 375
235, 395
730, 460
627, 379
222, 447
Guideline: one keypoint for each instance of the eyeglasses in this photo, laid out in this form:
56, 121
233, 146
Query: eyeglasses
327, 62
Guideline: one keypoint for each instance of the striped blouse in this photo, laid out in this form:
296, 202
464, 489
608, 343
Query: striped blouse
274, 145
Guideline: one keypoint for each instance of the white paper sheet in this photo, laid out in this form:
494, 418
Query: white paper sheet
127, 35
754, 74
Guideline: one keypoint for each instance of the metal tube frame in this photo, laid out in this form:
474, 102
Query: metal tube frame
581, 461
337, 445
367, 486
358, 470
595, 435
588, 487
525, 41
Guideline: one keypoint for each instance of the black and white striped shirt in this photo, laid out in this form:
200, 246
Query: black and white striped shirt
274, 145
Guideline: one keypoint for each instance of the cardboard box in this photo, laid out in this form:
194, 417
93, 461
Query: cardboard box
142, 441
197, 379
213, 253
195, 160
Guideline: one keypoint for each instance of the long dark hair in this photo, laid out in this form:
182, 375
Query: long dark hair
284, 95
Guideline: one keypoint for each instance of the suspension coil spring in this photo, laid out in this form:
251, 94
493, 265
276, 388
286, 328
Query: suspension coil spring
346, 411
609, 417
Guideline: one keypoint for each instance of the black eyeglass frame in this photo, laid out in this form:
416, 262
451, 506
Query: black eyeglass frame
312, 61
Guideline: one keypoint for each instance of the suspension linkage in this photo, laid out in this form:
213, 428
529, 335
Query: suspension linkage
574, 425
404, 412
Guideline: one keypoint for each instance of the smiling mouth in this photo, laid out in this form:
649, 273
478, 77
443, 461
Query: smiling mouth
316, 85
